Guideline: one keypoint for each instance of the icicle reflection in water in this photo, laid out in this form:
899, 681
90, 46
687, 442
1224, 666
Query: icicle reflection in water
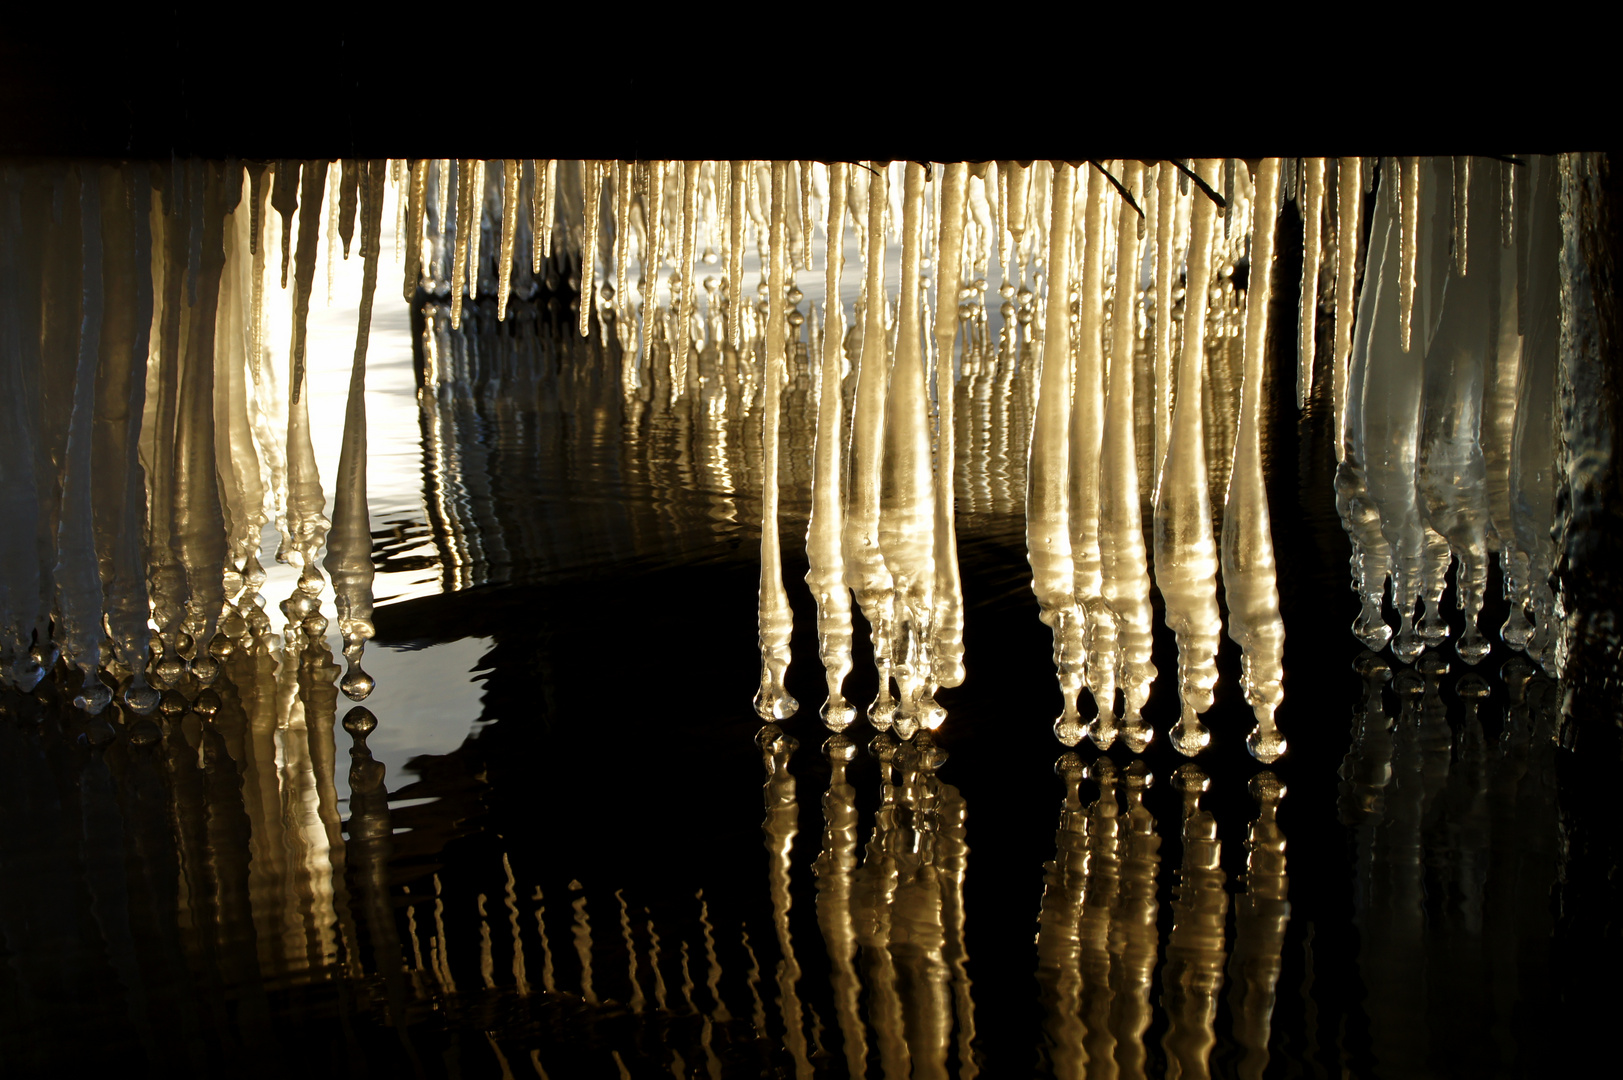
1445, 459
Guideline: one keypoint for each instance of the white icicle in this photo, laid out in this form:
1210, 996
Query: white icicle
949, 590
1249, 583
1048, 533
773, 701
1185, 554
1125, 579
1086, 434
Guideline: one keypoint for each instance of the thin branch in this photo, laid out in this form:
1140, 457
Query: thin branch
1118, 185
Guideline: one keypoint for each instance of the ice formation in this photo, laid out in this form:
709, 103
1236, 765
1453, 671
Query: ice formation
153, 355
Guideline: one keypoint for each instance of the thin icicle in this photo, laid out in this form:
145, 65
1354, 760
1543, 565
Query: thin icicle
1249, 577
549, 205
504, 268
416, 250
1086, 434
1048, 533
949, 590
537, 198
1307, 327
1185, 555
1125, 579
773, 701
591, 180
463, 224
907, 486
1166, 200
1349, 225
476, 225
1408, 232
688, 230
826, 573
737, 212
315, 183
1462, 214
865, 570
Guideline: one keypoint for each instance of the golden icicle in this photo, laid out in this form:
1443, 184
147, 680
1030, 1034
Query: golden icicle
1166, 200
1048, 534
949, 590
737, 210
504, 269
688, 229
592, 197
549, 204
1349, 224
476, 224
459, 260
1409, 234
1312, 215
1249, 581
1097, 623
773, 702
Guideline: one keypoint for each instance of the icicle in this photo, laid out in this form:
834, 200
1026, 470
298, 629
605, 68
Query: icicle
1048, 534
549, 202
462, 224
907, 485
504, 268
1185, 556
591, 179
1249, 580
688, 229
622, 176
1125, 580
346, 203
1312, 218
737, 211
307, 525
284, 200
349, 549
806, 185
949, 591
1409, 224
1086, 434
334, 224
1349, 226
1462, 213
1165, 278
537, 221
315, 183
476, 225
416, 255
1452, 473
773, 702
865, 570
826, 575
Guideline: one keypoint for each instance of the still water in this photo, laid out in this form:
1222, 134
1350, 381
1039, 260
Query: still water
556, 841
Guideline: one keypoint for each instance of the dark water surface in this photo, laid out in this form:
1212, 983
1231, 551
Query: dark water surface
620, 873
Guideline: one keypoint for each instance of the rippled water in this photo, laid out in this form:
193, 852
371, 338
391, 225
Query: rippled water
569, 849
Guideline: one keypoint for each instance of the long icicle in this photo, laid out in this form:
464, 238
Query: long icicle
1087, 417
826, 572
1048, 534
1185, 554
464, 223
773, 701
592, 198
689, 239
476, 225
1409, 234
864, 565
1349, 227
504, 268
737, 212
907, 484
1125, 575
1249, 580
549, 207
949, 590
1166, 200
1307, 326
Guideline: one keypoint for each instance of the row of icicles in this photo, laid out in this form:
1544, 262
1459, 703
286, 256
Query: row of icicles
1443, 400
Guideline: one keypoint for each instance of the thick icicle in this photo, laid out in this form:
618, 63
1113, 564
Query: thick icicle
1185, 555
504, 267
1452, 473
1098, 623
349, 547
1349, 225
1249, 582
865, 568
1125, 579
949, 590
306, 522
1048, 533
1307, 336
773, 701
907, 484
826, 573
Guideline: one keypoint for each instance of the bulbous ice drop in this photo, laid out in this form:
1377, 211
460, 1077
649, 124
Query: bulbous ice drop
1185, 551
949, 594
1452, 467
773, 701
1125, 576
1086, 433
1048, 533
865, 570
826, 570
1249, 578
907, 481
